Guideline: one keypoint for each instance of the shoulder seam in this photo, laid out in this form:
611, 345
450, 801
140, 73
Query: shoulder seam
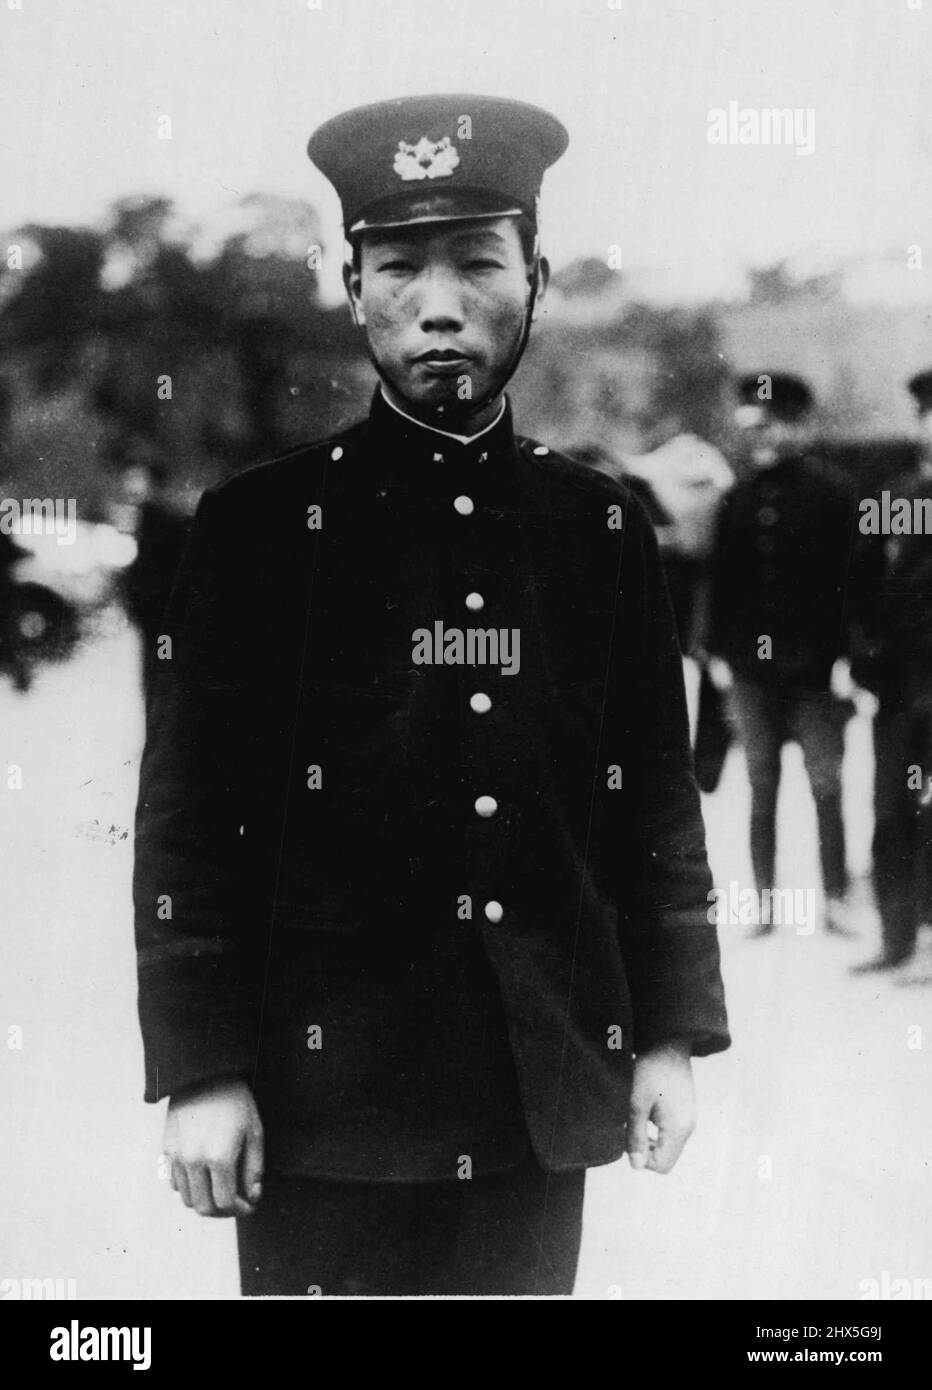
313, 446
578, 480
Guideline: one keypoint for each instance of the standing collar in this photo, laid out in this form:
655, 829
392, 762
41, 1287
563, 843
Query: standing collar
413, 450
445, 434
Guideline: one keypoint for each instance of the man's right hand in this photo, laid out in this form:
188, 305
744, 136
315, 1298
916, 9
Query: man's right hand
214, 1139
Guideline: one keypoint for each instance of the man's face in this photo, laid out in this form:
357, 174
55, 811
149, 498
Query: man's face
137, 485
769, 439
443, 306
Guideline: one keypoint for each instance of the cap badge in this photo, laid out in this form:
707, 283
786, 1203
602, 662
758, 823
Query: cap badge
428, 159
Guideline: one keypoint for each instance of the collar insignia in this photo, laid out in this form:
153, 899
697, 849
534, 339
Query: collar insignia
428, 159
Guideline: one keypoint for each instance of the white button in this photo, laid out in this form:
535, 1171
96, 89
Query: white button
438, 458
486, 806
336, 453
494, 911
474, 602
479, 703
464, 505
541, 450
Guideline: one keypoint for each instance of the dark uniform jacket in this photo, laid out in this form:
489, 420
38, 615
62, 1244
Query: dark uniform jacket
353, 901
781, 569
160, 541
892, 629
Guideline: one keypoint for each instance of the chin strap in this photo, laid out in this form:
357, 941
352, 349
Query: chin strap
523, 336
447, 416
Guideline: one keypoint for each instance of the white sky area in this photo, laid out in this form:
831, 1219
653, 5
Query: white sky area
83, 82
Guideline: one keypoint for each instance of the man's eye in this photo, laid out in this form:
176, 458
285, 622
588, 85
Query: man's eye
396, 265
484, 263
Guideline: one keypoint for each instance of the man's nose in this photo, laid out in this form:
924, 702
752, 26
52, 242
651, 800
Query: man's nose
441, 304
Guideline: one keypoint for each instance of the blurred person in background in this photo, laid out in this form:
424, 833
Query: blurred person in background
689, 479
12, 660
777, 620
603, 461
682, 484
892, 657
142, 509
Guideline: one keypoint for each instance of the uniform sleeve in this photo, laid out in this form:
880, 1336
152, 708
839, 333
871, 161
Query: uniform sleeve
720, 580
844, 516
669, 945
194, 1005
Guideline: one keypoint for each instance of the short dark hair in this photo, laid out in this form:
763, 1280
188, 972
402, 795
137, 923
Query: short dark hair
527, 233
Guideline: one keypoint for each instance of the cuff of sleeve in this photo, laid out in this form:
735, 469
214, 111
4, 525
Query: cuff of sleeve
188, 1037
166, 1076
702, 1037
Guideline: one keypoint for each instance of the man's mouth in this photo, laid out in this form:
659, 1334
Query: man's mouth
443, 361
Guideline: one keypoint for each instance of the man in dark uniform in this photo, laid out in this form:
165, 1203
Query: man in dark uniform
778, 620
421, 883
893, 658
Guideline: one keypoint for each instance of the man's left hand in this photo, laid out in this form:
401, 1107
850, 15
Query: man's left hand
662, 1092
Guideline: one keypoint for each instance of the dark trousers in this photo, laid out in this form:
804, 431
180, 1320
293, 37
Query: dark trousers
902, 848
767, 718
511, 1233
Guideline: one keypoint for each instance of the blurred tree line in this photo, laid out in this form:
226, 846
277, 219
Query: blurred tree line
142, 341
605, 369
137, 343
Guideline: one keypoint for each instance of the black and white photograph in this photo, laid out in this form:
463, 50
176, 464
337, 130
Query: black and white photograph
466, 661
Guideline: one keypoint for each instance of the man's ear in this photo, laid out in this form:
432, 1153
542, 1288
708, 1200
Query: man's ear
543, 280
352, 283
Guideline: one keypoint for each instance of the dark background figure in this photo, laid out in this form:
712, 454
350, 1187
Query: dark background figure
692, 478
689, 478
778, 618
892, 657
594, 456
160, 532
681, 483
11, 658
